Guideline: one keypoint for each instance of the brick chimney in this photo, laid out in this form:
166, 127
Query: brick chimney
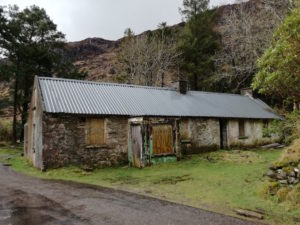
247, 92
181, 86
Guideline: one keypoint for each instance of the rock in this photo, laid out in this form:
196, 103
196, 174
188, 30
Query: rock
271, 174
280, 146
296, 170
283, 181
292, 174
281, 176
274, 145
291, 180
249, 213
296, 181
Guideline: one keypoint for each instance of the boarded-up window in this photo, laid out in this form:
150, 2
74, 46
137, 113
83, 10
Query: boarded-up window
162, 139
94, 131
241, 128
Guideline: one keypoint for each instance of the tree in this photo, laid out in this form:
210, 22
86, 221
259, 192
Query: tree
31, 44
246, 32
192, 8
279, 67
198, 43
144, 59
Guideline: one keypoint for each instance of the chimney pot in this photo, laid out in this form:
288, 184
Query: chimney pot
181, 86
247, 92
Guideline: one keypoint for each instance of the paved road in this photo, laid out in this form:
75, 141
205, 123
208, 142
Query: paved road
26, 200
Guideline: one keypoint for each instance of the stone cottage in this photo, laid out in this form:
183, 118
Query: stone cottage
103, 124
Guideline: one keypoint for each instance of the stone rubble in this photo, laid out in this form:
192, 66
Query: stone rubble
285, 176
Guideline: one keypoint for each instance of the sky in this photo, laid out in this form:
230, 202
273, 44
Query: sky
80, 19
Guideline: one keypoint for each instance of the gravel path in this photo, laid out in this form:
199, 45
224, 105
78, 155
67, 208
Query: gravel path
26, 200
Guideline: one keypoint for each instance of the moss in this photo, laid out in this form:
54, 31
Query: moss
271, 188
288, 169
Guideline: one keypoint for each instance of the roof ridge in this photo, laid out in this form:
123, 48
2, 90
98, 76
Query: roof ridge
219, 93
106, 83
132, 85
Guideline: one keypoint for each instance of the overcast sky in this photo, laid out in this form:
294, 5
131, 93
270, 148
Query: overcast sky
108, 19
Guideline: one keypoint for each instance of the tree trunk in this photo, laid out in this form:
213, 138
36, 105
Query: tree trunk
162, 79
23, 119
14, 131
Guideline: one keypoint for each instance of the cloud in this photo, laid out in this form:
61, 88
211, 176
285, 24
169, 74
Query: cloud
108, 19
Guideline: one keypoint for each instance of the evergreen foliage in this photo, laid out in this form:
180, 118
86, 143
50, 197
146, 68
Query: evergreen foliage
31, 45
198, 44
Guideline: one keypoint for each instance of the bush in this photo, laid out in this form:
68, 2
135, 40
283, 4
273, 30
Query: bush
5, 130
288, 129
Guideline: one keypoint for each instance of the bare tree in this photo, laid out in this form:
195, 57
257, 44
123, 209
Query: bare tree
246, 32
145, 59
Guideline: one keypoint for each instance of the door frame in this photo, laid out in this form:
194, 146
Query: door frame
223, 138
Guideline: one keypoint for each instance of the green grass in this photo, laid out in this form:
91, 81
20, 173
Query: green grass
219, 181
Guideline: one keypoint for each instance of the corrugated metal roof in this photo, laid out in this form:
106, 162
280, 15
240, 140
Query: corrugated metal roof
93, 98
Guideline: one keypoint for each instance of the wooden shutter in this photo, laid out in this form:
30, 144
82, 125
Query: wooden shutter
95, 131
162, 139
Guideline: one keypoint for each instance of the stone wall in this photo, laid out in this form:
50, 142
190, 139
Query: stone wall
64, 142
199, 135
253, 134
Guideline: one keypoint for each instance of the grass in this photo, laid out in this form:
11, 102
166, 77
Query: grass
218, 181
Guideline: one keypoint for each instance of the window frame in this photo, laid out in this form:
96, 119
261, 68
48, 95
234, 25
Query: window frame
242, 130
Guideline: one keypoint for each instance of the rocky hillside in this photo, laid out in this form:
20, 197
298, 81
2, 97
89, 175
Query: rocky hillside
97, 56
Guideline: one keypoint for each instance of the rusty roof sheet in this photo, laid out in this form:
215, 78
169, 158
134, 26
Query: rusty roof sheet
92, 98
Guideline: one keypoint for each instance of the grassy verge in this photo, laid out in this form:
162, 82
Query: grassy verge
219, 181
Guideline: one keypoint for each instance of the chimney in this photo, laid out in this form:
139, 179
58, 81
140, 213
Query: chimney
181, 86
247, 92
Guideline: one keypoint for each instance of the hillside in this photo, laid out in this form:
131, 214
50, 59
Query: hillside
97, 56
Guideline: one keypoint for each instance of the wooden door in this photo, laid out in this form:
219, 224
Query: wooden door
137, 146
162, 139
223, 133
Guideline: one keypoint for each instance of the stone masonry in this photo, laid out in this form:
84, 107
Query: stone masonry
203, 135
64, 142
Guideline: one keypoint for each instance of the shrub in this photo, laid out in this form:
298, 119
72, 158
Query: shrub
288, 129
5, 130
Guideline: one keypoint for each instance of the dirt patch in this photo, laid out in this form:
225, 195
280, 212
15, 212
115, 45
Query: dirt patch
172, 179
236, 156
123, 180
